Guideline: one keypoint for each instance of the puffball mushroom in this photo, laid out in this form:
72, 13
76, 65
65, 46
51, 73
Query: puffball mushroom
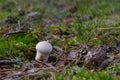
43, 48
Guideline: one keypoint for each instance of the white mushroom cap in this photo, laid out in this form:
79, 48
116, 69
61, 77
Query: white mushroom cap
43, 48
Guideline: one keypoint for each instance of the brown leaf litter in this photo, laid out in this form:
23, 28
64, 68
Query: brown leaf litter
96, 57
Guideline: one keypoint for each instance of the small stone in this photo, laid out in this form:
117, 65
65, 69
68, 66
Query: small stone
33, 15
31, 71
73, 54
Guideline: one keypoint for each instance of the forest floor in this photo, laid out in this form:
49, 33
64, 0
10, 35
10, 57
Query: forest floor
85, 35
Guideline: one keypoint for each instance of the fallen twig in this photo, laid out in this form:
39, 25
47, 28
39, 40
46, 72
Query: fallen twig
115, 73
15, 32
19, 24
8, 62
47, 64
58, 50
58, 59
110, 28
53, 76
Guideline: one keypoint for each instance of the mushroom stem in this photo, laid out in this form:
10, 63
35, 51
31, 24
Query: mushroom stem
41, 57
46, 56
38, 56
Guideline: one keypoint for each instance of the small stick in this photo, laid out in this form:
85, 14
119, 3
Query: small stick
53, 76
15, 32
49, 65
110, 28
58, 59
9, 62
59, 50
19, 25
